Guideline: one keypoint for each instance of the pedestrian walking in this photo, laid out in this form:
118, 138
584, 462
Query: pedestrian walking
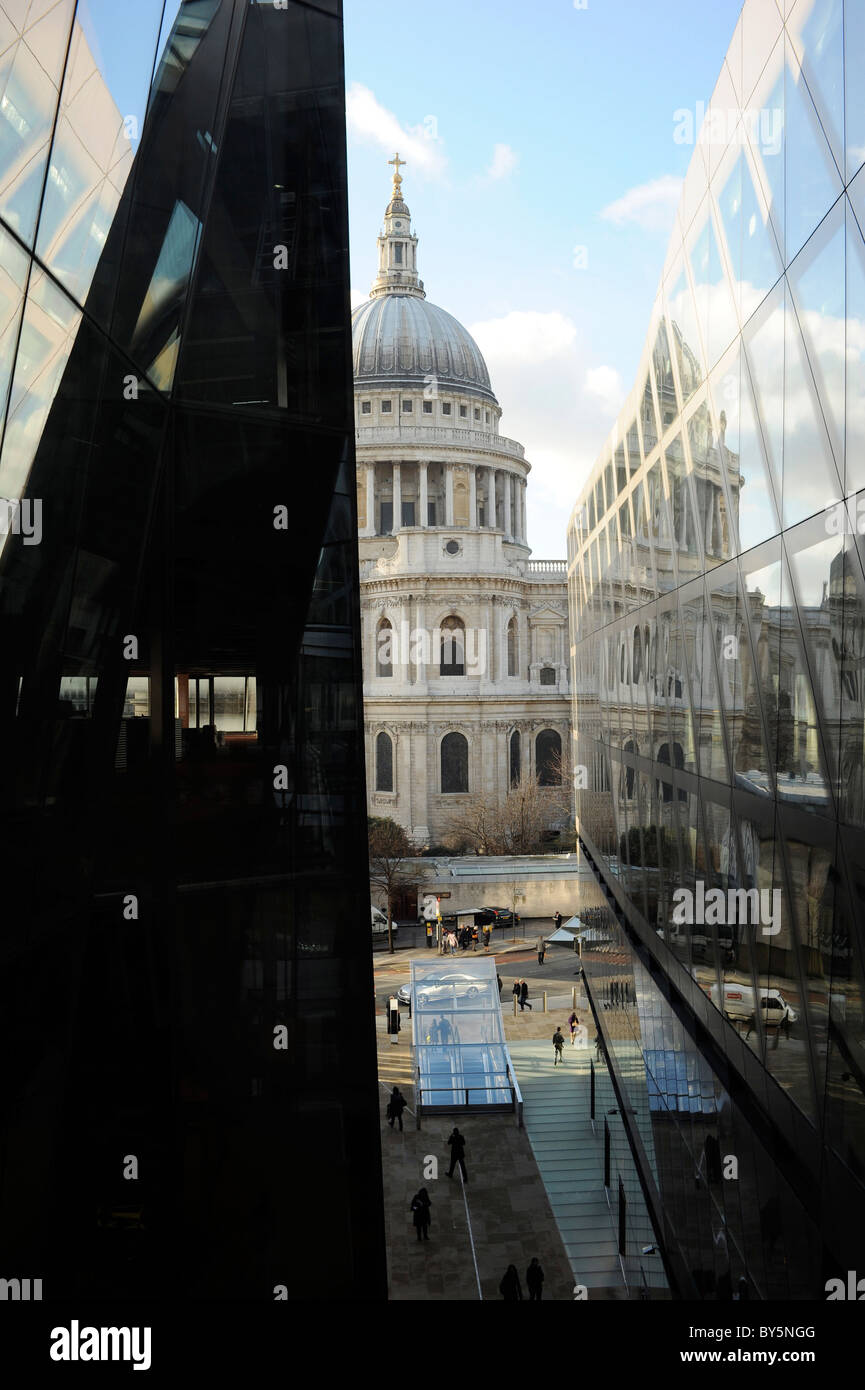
395, 1106
524, 996
541, 950
452, 942
558, 920
474, 937
420, 1213
573, 1024
535, 1280
500, 983
509, 1288
457, 1142
429, 935
487, 935
558, 1044
516, 990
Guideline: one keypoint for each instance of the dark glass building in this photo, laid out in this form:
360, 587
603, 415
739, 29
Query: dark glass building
717, 595
185, 916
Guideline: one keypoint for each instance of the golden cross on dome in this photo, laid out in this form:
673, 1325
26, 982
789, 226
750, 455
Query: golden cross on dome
397, 163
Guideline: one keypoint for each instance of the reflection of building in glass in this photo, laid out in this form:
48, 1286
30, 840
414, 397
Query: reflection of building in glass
719, 704
180, 678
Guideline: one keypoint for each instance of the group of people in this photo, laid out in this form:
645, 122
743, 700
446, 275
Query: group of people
467, 938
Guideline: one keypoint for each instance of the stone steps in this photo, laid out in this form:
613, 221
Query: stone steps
556, 1105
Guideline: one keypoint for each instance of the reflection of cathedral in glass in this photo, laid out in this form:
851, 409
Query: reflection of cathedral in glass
180, 680
718, 596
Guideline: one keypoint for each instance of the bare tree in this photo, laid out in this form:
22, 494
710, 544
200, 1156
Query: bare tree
519, 823
389, 848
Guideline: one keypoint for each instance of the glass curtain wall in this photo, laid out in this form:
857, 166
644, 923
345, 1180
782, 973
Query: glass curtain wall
180, 675
718, 645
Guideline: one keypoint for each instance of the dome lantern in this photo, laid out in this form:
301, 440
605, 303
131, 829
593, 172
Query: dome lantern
397, 246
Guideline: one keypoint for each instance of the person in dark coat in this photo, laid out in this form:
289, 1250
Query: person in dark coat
516, 990
420, 1213
535, 1280
509, 1288
395, 1106
558, 920
499, 982
457, 1142
524, 996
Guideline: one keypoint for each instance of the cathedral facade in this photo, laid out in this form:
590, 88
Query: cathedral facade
465, 637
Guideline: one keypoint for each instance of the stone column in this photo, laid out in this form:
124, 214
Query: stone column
494, 640
397, 499
370, 499
449, 495
473, 496
423, 501
491, 498
523, 494
506, 478
418, 669
403, 622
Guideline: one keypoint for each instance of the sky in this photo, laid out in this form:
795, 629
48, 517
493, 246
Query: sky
543, 178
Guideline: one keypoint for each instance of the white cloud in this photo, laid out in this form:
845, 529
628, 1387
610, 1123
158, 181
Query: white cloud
524, 336
358, 297
505, 161
651, 205
370, 123
605, 385
550, 392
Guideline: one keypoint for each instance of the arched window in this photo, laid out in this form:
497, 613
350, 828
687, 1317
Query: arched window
452, 656
383, 763
629, 780
513, 648
548, 675
384, 649
515, 758
548, 758
638, 656
455, 763
664, 788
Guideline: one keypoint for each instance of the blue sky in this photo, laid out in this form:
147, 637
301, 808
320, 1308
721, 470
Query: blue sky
529, 130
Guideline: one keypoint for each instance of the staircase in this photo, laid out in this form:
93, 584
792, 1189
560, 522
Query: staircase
570, 1157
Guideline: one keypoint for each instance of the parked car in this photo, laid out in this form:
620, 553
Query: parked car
497, 917
442, 987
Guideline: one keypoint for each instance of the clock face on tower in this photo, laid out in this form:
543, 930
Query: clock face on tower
398, 226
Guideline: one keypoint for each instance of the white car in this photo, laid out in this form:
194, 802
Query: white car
440, 989
743, 1002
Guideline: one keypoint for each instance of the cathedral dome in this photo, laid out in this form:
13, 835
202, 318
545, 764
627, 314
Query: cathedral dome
402, 339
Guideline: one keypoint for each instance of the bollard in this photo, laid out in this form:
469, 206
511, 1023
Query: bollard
545, 1001
515, 1006
574, 998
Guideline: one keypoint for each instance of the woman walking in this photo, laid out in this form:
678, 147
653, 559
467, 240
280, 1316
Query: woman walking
510, 1288
421, 1215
